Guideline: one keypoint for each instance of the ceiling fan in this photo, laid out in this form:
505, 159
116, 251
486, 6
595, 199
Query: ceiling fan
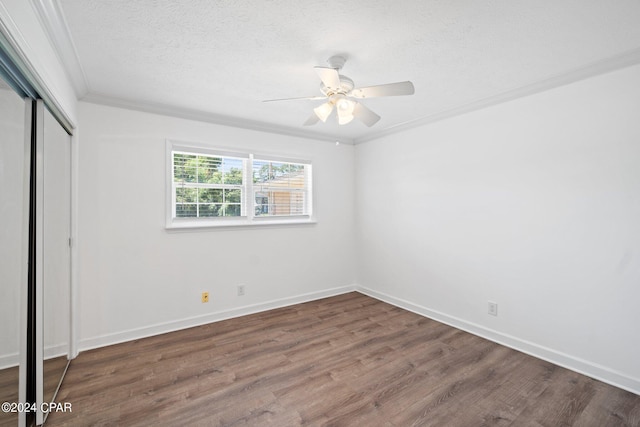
340, 93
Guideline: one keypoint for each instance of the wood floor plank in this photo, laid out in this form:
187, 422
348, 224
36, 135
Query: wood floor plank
348, 360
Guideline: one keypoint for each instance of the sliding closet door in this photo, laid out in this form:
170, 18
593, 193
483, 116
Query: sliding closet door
54, 255
35, 264
14, 217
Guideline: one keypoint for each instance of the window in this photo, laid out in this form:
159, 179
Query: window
213, 187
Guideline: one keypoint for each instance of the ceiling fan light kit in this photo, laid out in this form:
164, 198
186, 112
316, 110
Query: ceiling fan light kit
339, 91
323, 111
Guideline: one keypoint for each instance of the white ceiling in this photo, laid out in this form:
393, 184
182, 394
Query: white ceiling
217, 60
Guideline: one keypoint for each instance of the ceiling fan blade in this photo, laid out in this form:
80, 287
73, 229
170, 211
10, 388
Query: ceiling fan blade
390, 89
312, 120
310, 98
365, 115
329, 77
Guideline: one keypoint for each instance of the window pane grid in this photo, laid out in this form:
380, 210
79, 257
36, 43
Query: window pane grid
204, 169
207, 202
279, 203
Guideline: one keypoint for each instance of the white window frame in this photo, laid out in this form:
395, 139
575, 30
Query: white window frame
248, 217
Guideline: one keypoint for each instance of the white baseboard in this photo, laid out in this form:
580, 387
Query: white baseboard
13, 360
56, 351
593, 370
162, 328
9, 360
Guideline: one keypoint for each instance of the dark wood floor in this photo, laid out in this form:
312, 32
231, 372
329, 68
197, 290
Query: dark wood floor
348, 360
8, 393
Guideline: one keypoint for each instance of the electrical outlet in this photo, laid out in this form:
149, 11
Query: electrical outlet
240, 290
493, 308
205, 297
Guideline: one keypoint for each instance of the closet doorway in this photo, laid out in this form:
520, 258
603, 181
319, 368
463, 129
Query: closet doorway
35, 253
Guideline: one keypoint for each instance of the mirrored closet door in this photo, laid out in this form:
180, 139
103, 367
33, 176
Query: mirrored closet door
14, 218
53, 218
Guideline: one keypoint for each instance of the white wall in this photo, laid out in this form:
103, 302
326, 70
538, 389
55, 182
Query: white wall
533, 204
136, 278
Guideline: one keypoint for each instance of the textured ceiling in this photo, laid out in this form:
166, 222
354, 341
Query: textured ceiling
219, 59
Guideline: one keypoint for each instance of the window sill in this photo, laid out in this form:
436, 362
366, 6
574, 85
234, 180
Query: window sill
228, 224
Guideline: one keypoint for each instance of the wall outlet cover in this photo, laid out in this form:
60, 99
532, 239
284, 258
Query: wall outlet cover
493, 308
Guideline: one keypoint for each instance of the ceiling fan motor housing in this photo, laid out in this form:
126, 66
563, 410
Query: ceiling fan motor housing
346, 85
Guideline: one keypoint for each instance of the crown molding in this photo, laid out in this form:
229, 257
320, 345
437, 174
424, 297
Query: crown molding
52, 20
613, 63
203, 116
